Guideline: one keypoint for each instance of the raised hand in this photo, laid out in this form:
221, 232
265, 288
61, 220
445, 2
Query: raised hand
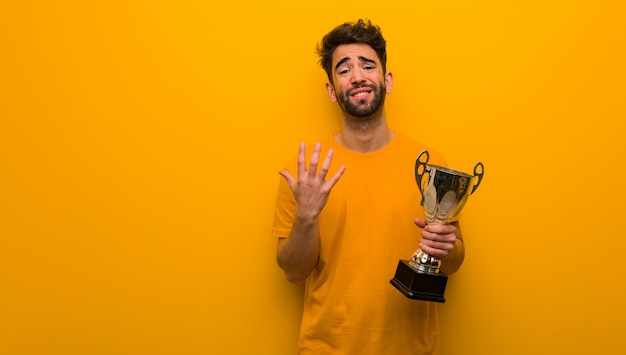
311, 189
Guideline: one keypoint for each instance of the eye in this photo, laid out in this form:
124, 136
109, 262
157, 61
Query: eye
369, 67
344, 71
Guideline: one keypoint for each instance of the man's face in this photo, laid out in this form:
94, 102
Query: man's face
359, 85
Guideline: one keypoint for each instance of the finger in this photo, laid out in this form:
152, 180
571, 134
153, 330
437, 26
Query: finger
326, 164
315, 160
426, 248
435, 248
288, 177
332, 181
438, 238
301, 159
440, 228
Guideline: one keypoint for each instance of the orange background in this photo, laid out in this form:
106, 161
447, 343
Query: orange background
140, 144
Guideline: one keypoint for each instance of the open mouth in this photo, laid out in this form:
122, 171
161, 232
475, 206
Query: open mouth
358, 93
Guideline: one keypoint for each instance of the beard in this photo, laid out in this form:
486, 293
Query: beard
362, 108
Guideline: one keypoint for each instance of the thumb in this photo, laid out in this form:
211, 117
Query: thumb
288, 177
420, 222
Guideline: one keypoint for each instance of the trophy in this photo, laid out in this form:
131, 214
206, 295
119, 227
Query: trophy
444, 194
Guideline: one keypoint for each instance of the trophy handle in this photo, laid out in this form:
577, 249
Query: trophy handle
479, 171
420, 170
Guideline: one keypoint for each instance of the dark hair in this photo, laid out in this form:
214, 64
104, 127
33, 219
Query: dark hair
349, 33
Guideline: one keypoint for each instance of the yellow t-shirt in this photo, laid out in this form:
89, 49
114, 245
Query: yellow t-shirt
365, 228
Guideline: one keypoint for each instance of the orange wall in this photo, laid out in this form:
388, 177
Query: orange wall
140, 144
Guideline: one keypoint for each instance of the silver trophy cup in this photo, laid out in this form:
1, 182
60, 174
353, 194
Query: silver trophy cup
444, 193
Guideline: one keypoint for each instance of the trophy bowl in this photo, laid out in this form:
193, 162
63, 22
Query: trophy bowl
444, 193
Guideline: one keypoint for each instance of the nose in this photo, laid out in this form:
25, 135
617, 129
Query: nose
357, 76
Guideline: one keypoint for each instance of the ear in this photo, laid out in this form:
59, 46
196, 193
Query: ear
330, 90
389, 81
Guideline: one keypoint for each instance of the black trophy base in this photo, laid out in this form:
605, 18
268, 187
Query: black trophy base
419, 286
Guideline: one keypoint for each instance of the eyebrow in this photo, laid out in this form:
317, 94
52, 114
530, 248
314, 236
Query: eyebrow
361, 58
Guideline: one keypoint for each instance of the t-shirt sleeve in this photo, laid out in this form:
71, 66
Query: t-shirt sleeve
284, 211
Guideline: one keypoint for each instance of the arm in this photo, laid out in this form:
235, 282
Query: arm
297, 255
444, 241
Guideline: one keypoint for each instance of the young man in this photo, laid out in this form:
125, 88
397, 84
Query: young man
341, 231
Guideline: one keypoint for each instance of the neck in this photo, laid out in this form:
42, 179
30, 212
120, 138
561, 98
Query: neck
365, 134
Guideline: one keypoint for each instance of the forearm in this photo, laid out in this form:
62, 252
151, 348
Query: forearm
298, 254
452, 262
